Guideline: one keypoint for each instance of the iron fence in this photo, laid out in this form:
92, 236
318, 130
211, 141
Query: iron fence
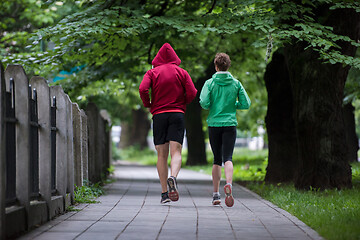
10, 144
53, 145
42, 155
34, 144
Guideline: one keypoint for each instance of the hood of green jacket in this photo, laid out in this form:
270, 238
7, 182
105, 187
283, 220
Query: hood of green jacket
222, 95
222, 78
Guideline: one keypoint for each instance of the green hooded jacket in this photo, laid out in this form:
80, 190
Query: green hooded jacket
222, 95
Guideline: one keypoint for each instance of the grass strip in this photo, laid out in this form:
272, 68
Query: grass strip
334, 214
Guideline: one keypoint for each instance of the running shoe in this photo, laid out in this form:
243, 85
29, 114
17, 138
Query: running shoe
216, 199
229, 200
165, 197
173, 192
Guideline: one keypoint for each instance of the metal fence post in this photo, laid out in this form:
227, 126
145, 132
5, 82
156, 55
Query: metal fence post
70, 153
10, 144
94, 155
44, 148
2, 153
34, 145
22, 144
84, 145
53, 145
77, 145
106, 133
61, 140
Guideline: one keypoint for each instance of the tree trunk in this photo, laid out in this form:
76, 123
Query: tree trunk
318, 121
350, 131
195, 135
135, 131
194, 127
279, 121
317, 90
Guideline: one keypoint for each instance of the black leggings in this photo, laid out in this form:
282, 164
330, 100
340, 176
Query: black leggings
222, 142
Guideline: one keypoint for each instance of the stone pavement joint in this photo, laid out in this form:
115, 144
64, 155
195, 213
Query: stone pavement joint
131, 209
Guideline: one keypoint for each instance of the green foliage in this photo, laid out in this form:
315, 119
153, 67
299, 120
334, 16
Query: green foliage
249, 165
111, 170
36, 13
116, 41
352, 93
134, 154
352, 87
72, 208
334, 214
115, 152
88, 192
113, 25
19, 19
356, 171
356, 104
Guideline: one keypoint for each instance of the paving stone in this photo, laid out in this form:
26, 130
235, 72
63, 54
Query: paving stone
86, 216
137, 235
98, 235
71, 226
131, 209
169, 235
106, 226
57, 235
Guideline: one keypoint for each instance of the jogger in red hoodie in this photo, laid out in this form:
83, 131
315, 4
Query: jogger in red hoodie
171, 89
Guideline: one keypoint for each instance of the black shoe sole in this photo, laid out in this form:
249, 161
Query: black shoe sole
165, 201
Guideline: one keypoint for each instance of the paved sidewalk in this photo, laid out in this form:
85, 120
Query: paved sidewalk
131, 209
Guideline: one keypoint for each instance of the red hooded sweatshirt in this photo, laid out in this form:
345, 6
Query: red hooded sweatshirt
171, 86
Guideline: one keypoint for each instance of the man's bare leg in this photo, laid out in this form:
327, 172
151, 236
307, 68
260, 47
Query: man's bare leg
175, 152
162, 165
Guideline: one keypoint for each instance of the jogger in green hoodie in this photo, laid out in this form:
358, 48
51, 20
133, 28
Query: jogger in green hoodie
223, 95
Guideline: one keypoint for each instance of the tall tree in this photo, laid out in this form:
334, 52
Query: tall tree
135, 134
105, 23
117, 39
318, 91
282, 161
194, 127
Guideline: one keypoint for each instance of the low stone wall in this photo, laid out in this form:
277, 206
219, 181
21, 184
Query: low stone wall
44, 150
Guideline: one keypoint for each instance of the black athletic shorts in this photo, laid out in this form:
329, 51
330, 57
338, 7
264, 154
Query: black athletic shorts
222, 142
168, 126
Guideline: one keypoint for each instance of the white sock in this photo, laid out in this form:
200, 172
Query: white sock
216, 193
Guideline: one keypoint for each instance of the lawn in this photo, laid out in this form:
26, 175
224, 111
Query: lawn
334, 214
248, 165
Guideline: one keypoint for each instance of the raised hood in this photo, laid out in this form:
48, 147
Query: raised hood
166, 55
